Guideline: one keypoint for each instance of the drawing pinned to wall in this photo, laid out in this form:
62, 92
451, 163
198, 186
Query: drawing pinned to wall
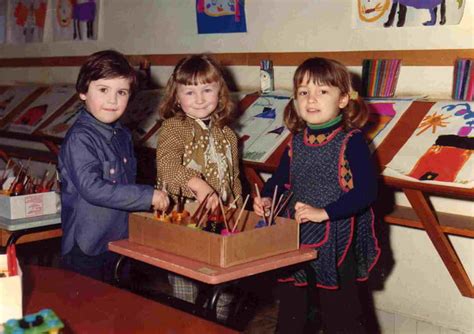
41, 108
60, 125
3, 20
75, 20
12, 97
25, 20
220, 16
383, 115
400, 13
261, 128
441, 149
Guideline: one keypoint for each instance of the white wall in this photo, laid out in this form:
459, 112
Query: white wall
418, 285
169, 26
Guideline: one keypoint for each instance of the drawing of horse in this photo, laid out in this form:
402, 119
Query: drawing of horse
84, 12
431, 5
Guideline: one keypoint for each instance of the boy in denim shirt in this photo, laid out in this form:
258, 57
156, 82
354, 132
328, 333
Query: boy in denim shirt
98, 169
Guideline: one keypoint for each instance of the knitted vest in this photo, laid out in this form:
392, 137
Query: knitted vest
319, 175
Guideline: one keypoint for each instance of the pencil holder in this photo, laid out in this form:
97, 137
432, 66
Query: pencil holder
379, 77
463, 83
267, 83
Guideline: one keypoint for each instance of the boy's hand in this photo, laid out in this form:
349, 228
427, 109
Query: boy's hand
262, 205
305, 213
160, 200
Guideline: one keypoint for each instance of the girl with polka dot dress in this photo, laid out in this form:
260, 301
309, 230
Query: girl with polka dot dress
197, 154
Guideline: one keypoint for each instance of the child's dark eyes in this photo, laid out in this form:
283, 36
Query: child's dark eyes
123, 92
103, 90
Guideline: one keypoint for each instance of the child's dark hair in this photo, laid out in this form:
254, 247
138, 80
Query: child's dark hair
107, 64
332, 73
194, 70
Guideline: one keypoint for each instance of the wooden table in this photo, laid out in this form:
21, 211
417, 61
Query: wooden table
33, 229
204, 272
89, 306
215, 278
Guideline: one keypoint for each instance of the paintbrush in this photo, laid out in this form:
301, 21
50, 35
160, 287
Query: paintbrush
273, 204
260, 198
240, 214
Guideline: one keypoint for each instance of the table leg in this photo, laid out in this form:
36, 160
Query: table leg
118, 267
12, 239
15, 235
207, 299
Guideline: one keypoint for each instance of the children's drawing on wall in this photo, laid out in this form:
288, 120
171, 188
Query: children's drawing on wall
384, 114
401, 13
261, 128
12, 97
442, 147
40, 109
25, 20
142, 113
3, 20
61, 124
220, 16
75, 20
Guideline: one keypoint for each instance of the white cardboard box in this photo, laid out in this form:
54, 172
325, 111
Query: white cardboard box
11, 305
15, 207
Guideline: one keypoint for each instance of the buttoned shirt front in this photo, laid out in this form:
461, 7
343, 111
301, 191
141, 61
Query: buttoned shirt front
97, 169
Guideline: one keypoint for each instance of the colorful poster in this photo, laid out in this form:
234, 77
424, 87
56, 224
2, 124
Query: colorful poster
220, 16
25, 20
142, 113
402, 13
40, 109
3, 20
12, 97
59, 126
261, 128
384, 114
75, 20
441, 150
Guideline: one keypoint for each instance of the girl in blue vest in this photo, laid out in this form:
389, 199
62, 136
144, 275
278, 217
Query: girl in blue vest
329, 171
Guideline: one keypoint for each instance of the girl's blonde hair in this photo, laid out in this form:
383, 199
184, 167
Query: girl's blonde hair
332, 73
194, 70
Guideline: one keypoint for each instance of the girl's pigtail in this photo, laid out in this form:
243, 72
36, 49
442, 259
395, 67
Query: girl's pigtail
291, 118
356, 114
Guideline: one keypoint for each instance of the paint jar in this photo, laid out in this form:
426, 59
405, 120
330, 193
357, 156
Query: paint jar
261, 223
215, 224
162, 217
180, 218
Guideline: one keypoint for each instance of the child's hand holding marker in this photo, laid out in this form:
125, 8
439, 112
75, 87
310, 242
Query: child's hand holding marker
262, 205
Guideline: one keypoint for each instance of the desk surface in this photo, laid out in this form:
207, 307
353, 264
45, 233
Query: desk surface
27, 223
89, 306
203, 272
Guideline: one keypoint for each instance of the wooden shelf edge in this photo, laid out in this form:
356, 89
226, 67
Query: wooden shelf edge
440, 57
450, 223
26, 153
435, 189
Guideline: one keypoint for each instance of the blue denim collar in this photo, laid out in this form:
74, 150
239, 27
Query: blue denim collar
107, 130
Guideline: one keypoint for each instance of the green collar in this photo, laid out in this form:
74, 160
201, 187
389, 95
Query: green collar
325, 125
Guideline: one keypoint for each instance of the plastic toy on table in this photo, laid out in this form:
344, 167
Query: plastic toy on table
45, 321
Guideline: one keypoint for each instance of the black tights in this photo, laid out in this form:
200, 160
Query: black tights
303, 309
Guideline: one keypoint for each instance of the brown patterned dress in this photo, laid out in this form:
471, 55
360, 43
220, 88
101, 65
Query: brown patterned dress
190, 148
